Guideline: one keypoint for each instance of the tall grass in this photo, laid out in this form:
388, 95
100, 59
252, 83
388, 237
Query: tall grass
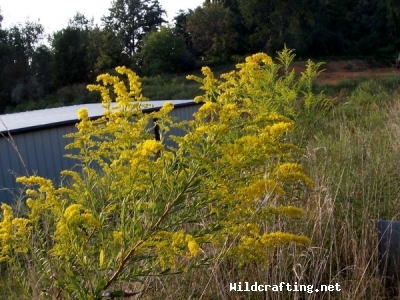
169, 87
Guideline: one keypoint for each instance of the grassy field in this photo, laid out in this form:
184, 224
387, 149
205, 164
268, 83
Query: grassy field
352, 154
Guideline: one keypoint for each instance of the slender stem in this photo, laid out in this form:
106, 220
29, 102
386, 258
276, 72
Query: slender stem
153, 228
122, 264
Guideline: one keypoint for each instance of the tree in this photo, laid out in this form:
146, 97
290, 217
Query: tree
70, 57
86, 30
42, 67
163, 51
180, 29
270, 24
255, 16
80, 21
211, 28
6, 61
1, 18
109, 49
130, 20
393, 10
17, 48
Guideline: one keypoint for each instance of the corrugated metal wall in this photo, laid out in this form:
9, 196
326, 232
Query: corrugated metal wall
181, 113
42, 152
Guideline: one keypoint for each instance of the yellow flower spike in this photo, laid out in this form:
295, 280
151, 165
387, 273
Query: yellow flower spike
22, 231
178, 239
167, 108
135, 86
30, 203
207, 108
151, 147
83, 114
291, 172
274, 239
278, 129
122, 93
88, 219
168, 155
72, 212
290, 211
258, 58
121, 69
14, 234
192, 245
107, 79
31, 192
198, 99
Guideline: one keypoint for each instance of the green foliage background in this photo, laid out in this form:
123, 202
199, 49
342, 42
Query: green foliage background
34, 73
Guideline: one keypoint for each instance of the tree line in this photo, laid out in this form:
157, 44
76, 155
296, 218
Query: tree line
135, 34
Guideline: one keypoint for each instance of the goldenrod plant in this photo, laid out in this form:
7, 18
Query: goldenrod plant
138, 208
258, 79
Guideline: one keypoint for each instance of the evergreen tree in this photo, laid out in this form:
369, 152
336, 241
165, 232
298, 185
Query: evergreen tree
17, 48
70, 57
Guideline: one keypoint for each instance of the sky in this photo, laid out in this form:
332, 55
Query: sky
54, 14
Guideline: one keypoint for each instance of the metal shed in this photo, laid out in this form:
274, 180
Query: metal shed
38, 137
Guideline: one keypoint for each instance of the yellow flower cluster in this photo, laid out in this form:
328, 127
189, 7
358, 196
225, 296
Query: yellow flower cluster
47, 196
14, 234
242, 120
178, 239
151, 147
193, 246
72, 227
6, 233
259, 59
277, 129
83, 114
289, 172
274, 239
181, 240
135, 87
76, 214
167, 107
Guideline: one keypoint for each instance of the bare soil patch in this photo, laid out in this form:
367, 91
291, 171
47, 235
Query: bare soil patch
347, 69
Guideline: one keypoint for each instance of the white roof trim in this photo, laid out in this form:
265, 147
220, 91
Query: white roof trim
54, 116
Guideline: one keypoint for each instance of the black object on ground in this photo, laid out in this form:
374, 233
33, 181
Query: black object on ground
389, 254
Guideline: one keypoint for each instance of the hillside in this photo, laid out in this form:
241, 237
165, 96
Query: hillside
334, 71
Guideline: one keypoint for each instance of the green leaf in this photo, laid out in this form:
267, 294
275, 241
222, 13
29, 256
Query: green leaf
180, 199
100, 286
163, 272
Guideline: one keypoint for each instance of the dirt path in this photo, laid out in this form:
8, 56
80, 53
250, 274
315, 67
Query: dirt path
336, 71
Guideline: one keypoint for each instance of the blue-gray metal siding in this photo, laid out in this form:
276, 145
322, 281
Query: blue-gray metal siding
43, 153
181, 113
